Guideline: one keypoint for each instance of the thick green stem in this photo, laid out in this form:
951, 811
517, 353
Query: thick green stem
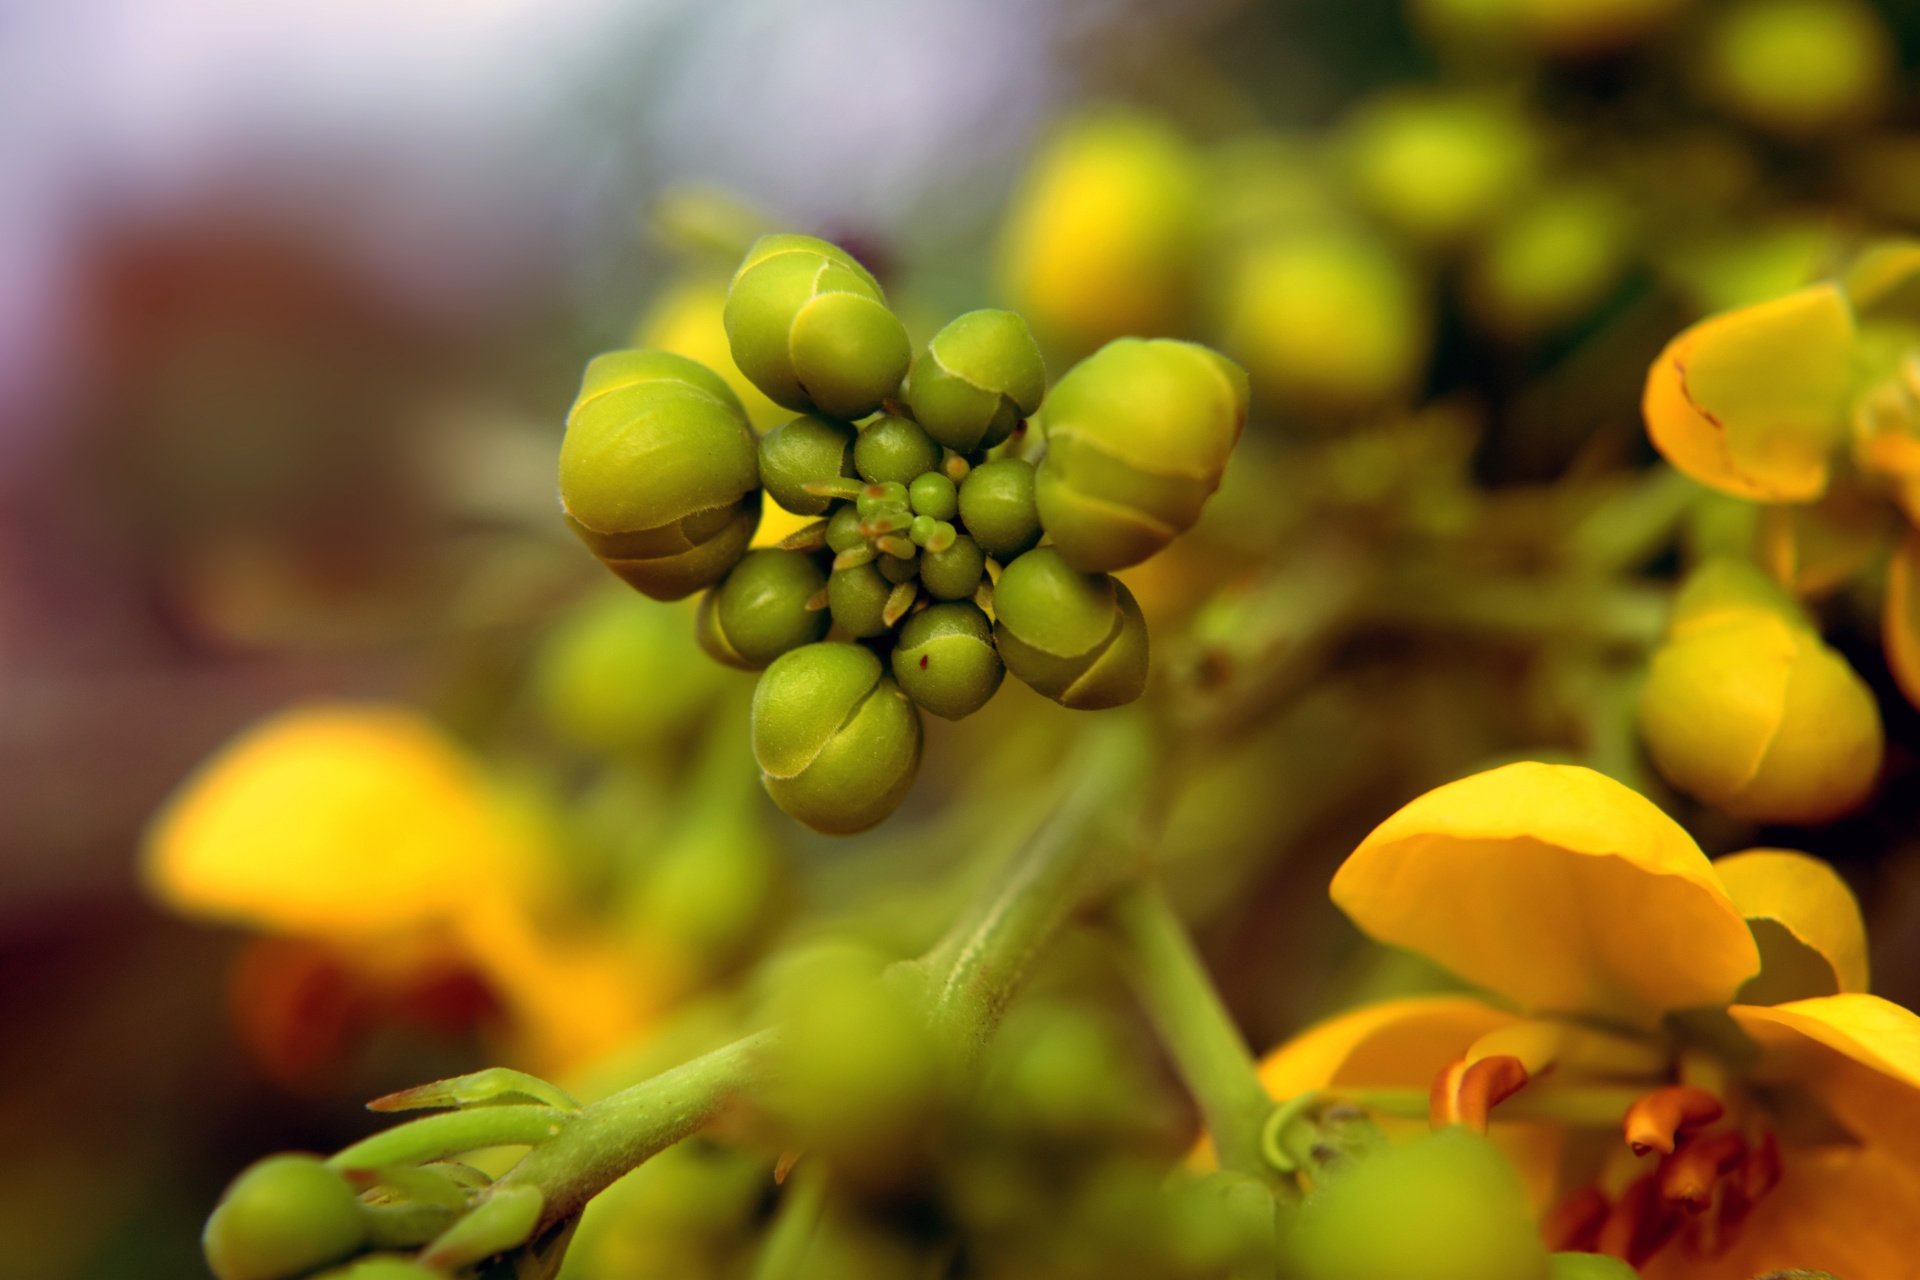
976, 969
1186, 1010
618, 1133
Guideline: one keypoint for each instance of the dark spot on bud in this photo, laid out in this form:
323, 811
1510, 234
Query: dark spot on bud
923, 661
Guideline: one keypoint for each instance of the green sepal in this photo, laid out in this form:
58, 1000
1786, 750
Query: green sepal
504, 1220
453, 1132
495, 1086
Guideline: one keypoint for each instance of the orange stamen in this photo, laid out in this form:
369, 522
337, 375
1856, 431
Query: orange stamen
1688, 1175
1465, 1094
1639, 1223
1655, 1122
1760, 1171
1574, 1224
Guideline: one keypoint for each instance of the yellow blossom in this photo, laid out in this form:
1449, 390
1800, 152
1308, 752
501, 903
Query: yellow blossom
1768, 1120
1752, 401
365, 826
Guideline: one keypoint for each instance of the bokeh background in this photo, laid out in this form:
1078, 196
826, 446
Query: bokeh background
293, 298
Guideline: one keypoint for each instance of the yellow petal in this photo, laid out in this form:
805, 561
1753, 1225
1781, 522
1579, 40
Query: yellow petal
331, 820
1900, 625
1556, 886
1805, 898
1752, 401
1397, 1044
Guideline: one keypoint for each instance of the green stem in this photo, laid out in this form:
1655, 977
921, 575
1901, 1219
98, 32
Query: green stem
617, 1133
1067, 863
793, 1225
1186, 1010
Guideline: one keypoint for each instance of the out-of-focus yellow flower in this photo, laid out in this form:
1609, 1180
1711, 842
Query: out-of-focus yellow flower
1799, 67
1753, 401
1326, 320
1746, 708
366, 826
1580, 902
1100, 239
1439, 168
686, 320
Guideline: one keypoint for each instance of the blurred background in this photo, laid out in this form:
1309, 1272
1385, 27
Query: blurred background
293, 299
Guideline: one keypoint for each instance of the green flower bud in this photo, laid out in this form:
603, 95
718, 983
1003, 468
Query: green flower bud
1448, 1207
760, 611
998, 507
894, 451
1550, 260
858, 598
843, 529
1077, 638
659, 472
933, 495
811, 327
980, 376
1439, 167
1799, 67
897, 569
802, 452
619, 672
837, 742
1138, 435
881, 498
283, 1216
946, 661
955, 573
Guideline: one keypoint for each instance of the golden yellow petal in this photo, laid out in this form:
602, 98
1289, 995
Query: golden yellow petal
1555, 886
1806, 898
1397, 1044
1900, 625
1752, 401
333, 819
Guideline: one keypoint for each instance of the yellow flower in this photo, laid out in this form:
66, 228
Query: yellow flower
1746, 708
1712, 1015
1752, 401
686, 320
366, 826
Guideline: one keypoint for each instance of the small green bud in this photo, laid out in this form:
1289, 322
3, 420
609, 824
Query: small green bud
897, 569
980, 376
997, 505
837, 742
1138, 435
760, 611
283, 1216
843, 529
955, 572
858, 598
659, 472
894, 451
1589, 1266
880, 499
1447, 1207
1078, 638
810, 327
619, 672
946, 661
805, 451
934, 496
1799, 67
383, 1267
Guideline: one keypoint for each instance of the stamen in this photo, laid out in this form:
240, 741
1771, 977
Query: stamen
1465, 1093
1639, 1223
811, 538
842, 487
817, 601
1574, 1224
1687, 1177
1657, 1120
898, 548
880, 526
1760, 1171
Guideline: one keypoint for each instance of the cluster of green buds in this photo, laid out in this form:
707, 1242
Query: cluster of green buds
942, 555
398, 1205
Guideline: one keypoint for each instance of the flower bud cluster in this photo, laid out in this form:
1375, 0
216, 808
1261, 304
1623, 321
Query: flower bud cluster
941, 556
